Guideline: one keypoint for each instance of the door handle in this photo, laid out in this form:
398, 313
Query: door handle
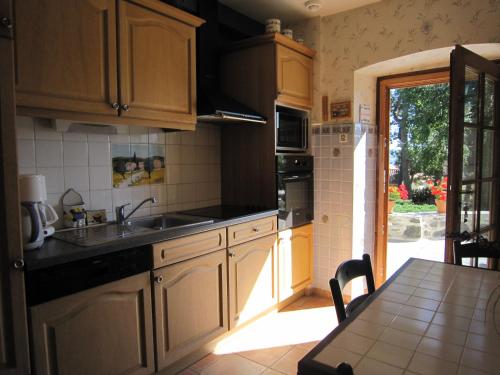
18, 264
6, 22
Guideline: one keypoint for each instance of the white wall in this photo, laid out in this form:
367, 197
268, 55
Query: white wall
83, 161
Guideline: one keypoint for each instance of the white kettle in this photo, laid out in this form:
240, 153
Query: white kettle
35, 214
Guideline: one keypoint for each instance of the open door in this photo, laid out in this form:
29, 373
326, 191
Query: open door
474, 158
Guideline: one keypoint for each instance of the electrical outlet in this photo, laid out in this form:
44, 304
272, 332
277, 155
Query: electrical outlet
343, 138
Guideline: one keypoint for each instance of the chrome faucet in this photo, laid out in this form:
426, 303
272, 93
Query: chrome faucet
120, 210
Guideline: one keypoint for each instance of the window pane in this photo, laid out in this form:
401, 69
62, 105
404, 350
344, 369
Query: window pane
486, 204
489, 102
467, 216
471, 96
469, 154
487, 167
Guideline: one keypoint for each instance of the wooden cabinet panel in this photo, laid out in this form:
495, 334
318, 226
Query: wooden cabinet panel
157, 65
66, 55
295, 260
174, 251
249, 231
14, 358
190, 305
6, 20
252, 279
294, 77
104, 330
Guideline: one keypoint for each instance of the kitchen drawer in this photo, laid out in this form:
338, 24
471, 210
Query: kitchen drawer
174, 251
249, 231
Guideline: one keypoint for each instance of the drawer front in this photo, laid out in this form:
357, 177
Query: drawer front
249, 231
174, 251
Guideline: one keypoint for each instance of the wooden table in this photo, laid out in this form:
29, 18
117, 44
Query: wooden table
428, 318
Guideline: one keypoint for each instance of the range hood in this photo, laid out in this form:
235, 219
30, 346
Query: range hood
213, 105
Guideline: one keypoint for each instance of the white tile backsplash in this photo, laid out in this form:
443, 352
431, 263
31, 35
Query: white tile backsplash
100, 178
76, 178
26, 153
99, 154
83, 162
76, 154
48, 153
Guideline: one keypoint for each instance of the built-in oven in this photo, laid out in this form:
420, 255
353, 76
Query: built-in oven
295, 190
291, 130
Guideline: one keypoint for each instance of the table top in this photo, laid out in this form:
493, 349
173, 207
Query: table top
428, 318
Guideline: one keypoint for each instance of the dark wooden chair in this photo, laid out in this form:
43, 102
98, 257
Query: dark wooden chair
476, 250
347, 271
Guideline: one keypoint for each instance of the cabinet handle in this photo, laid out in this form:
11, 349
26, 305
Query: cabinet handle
232, 254
6, 22
158, 279
125, 107
115, 106
255, 229
18, 264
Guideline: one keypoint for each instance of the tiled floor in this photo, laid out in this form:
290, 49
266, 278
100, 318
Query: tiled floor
274, 343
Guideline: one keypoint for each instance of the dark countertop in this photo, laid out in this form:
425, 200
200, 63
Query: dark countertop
55, 252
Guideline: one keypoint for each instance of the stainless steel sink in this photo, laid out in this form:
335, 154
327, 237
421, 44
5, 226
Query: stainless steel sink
92, 236
168, 221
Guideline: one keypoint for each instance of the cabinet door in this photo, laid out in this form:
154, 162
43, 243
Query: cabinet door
157, 65
66, 55
104, 330
14, 357
190, 305
295, 259
294, 77
252, 279
6, 21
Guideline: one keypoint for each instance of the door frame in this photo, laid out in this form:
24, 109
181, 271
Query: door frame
384, 85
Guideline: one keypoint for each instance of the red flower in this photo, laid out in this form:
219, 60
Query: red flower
403, 192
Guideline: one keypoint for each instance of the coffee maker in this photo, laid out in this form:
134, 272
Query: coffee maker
36, 215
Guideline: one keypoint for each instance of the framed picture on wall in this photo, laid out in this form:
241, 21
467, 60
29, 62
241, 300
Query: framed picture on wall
340, 110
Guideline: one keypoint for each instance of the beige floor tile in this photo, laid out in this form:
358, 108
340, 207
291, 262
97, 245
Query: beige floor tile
205, 362
266, 357
307, 345
288, 363
187, 372
270, 371
427, 365
233, 364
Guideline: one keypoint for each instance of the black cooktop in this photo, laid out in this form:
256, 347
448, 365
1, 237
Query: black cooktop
224, 212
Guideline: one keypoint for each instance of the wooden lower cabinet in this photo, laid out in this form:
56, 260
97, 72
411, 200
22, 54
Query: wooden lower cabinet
252, 279
104, 330
295, 260
190, 306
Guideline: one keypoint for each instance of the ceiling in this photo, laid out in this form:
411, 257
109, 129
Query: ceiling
289, 11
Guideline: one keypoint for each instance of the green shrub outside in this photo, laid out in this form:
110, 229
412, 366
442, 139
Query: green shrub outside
408, 206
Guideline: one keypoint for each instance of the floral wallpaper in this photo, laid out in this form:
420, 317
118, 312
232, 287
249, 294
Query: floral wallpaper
354, 39
346, 43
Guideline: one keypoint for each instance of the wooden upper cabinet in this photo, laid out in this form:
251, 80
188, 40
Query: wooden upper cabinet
66, 55
73, 55
6, 21
103, 330
295, 260
157, 65
294, 77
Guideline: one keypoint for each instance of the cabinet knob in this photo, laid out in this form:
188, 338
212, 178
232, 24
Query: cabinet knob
125, 107
232, 254
115, 106
6, 22
158, 279
255, 229
18, 264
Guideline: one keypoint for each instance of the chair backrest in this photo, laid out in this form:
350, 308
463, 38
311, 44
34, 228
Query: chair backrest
347, 271
474, 250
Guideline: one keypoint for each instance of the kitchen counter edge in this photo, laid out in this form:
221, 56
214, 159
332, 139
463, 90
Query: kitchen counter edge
56, 252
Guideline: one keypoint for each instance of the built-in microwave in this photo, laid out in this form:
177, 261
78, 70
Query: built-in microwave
291, 130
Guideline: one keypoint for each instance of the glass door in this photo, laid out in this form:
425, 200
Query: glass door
473, 169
